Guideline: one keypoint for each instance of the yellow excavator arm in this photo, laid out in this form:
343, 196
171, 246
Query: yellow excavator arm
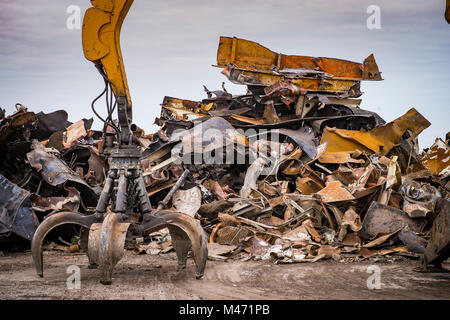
101, 40
101, 45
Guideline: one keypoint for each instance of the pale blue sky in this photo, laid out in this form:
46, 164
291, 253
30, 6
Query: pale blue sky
169, 47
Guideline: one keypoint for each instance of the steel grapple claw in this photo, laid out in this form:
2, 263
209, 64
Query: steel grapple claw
49, 224
187, 234
106, 244
107, 239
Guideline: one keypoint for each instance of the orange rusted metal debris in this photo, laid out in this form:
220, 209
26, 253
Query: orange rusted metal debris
74, 132
249, 55
437, 158
335, 192
341, 142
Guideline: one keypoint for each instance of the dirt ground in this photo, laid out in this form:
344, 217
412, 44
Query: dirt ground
155, 277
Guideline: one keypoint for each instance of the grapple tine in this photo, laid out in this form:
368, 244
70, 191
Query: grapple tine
106, 244
187, 233
50, 223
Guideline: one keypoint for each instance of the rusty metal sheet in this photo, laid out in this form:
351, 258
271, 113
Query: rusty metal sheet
74, 132
381, 219
307, 186
10, 125
248, 54
180, 104
412, 120
438, 248
181, 114
335, 192
16, 214
267, 78
303, 138
231, 235
97, 167
181, 109
55, 204
340, 141
49, 123
210, 210
55, 172
187, 201
352, 219
196, 139
378, 140
437, 158
412, 241
379, 241
367, 253
339, 157
216, 249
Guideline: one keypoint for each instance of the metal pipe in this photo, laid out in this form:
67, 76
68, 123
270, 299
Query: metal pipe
174, 189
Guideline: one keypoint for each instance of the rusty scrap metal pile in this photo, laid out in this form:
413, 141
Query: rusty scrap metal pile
292, 171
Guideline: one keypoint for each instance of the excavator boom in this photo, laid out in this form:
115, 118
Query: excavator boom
101, 42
